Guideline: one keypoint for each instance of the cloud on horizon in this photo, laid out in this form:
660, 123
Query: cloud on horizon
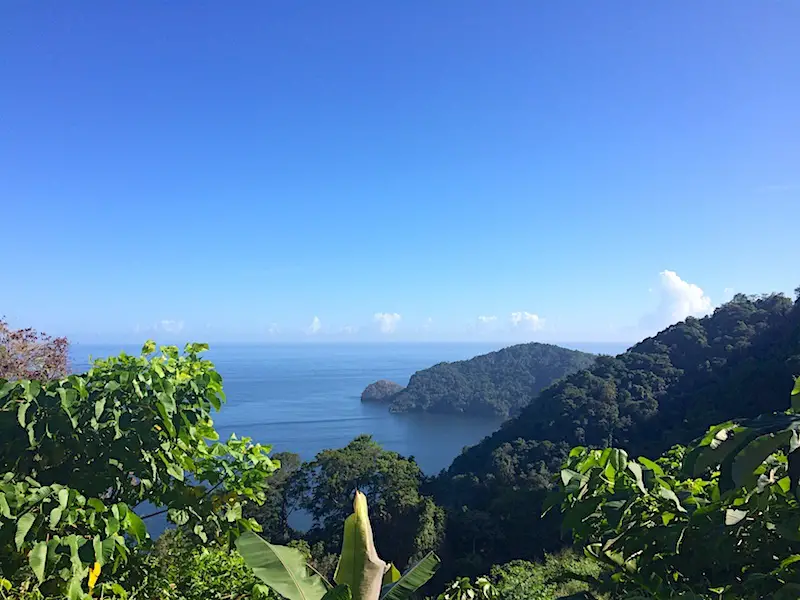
315, 326
387, 322
524, 319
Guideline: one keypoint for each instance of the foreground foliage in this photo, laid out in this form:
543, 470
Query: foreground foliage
719, 520
360, 574
80, 455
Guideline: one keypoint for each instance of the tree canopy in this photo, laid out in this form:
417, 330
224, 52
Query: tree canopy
404, 522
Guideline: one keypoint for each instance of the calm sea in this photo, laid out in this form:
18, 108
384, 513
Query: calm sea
304, 398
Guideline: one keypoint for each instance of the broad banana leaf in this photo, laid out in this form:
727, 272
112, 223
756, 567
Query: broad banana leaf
359, 566
413, 579
281, 568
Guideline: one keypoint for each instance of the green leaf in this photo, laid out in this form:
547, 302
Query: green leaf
5, 510
96, 504
168, 402
568, 475
6, 388
340, 592
359, 565
63, 497
178, 516
37, 559
281, 568
32, 389
148, 348
68, 397
392, 575
175, 471
655, 467
733, 516
413, 579
636, 469
668, 494
749, 458
99, 407
24, 525
21, 410
55, 516
112, 525
136, 526
103, 549
74, 591
618, 459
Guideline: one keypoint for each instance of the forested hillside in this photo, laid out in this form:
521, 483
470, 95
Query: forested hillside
499, 383
666, 389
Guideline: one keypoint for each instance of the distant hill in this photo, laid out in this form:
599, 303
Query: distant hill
498, 384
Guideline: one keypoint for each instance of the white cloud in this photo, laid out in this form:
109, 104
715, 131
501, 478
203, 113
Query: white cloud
487, 319
387, 321
528, 320
315, 326
349, 329
273, 329
170, 326
678, 299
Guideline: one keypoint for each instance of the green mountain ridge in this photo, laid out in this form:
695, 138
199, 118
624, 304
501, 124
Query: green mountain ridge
667, 389
499, 383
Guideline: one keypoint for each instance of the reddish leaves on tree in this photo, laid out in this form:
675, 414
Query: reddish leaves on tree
28, 354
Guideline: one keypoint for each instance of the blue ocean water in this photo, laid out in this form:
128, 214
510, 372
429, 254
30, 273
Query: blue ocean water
304, 398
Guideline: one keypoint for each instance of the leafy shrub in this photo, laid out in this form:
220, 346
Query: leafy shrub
559, 575
719, 521
360, 573
79, 454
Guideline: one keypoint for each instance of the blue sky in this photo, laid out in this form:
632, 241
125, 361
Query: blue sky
370, 170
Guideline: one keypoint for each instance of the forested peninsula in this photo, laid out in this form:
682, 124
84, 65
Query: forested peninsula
499, 383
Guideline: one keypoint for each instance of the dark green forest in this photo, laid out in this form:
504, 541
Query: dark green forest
499, 383
667, 389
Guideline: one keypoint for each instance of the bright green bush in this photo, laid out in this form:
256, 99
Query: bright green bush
79, 454
721, 520
559, 575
